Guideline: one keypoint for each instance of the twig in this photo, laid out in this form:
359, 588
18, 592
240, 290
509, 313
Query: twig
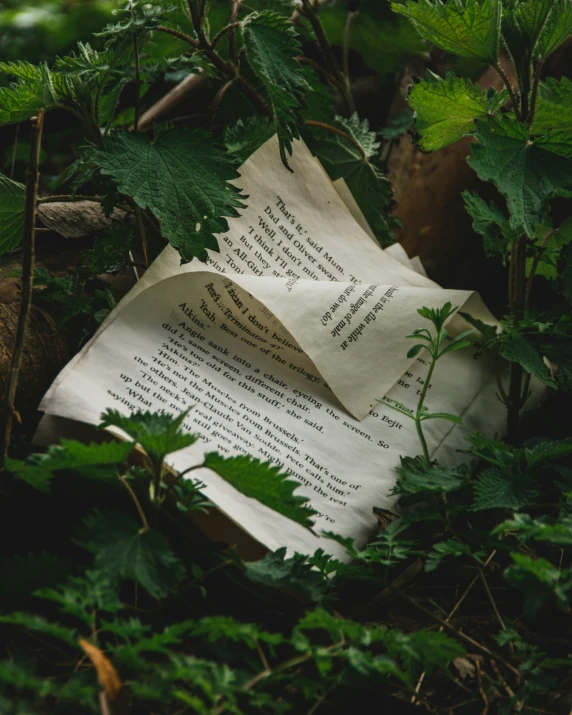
14, 151
457, 633
169, 101
451, 614
335, 130
310, 13
481, 689
219, 95
179, 35
347, 38
135, 501
254, 96
142, 234
320, 70
32, 180
491, 599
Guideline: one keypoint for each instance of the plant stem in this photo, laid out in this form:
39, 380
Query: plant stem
335, 130
32, 180
137, 84
179, 35
68, 198
518, 261
142, 234
510, 90
221, 33
14, 151
135, 501
534, 266
232, 36
534, 95
421, 402
346, 62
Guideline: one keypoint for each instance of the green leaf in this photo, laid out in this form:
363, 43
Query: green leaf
496, 488
446, 108
489, 332
265, 482
90, 460
271, 46
517, 348
488, 220
540, 582
416, 477
220, 627
12, 200
35, 90
556, 30
182, 176
277, 571
546, 451
245, 137
558, 533
468, 29
522, 170
422, 650
38, 624
84, 597
343, 159
444, 549
123, 550
158, 434
553, 106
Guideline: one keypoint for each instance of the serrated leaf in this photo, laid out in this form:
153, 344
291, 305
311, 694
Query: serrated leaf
496, 488
539, 581
33, 91
444, 549
265, 482
522, 24
245, 137
271, 46
84, 597
523, 170
38, 624
90, 460
12, 200
553, 106
488, 220
123, 550
446, 109
368, 185
515, 347
216, 628
183, 177
277, 571
416, 477
489, 332
558, 533
158, 434
547, 450
467, 29
556, 30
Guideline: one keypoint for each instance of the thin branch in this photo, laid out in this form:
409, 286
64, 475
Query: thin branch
167, 103
221, 33
320, 70
219, 95
335, 130
137, 85
254, 96
310, 13
232, 38
142, 234
534, 266
179, 35
135, 501
510, 90
32, 180
347, 38
534, 94
69, 198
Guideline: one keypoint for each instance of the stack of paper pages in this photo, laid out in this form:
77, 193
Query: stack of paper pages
283, 343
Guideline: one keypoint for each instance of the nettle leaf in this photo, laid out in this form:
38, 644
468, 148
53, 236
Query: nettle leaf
245, 137
158, 434
556, 30
553, 106
467, 29
522, 25
265, 482
183, 177
34, 90
523, 170
125, 551
540, 582
271, 47
368, 185
489, 332
558, 533
12, 200
296, 573
89, 460
515, 347
497, 488
490, 221
546, 451
446, 109
450, 548
416, 477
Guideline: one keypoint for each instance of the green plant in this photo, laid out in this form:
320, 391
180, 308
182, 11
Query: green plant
522, 147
